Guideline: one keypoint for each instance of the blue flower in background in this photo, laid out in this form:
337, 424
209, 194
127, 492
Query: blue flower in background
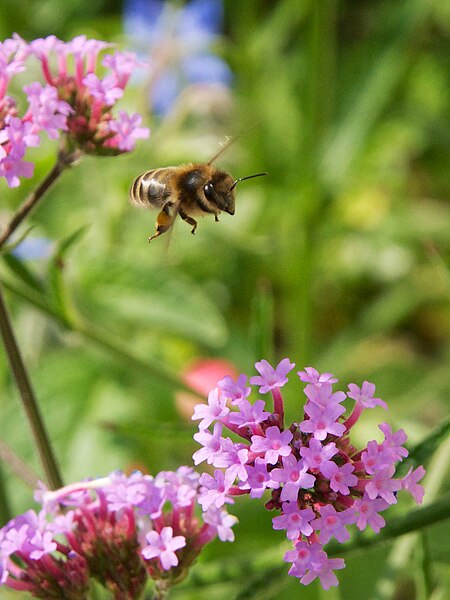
34, 249
178, 41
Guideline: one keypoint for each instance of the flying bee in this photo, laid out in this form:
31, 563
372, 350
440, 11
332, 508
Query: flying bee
187, 190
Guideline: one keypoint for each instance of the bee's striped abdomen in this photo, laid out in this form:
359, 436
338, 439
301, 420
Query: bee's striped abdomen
150, 188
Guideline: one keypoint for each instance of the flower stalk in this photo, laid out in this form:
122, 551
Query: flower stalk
64, 160
29, 402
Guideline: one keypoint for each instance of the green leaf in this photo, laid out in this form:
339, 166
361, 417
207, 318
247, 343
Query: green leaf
22, 272
423, 451
56, 275
173, 304
65, 244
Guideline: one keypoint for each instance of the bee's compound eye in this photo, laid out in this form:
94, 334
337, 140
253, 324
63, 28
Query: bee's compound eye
208, 190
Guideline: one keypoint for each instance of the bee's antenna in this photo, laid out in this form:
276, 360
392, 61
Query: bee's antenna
248, 177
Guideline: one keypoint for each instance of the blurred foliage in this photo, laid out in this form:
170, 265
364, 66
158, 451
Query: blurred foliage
339, 259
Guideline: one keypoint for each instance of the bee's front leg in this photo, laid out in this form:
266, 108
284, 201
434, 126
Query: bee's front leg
188, 219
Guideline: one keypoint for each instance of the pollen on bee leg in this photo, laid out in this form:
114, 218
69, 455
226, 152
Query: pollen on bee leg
163, 223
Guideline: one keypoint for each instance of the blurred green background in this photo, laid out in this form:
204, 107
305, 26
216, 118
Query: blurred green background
338, 259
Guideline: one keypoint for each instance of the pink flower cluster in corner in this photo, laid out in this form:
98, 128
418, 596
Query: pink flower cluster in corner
318, 480
73, 101
118, 530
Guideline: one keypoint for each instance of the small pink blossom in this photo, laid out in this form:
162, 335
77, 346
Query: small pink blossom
409, 483
322, 422
311, 375
269, 377
365, 395
393, 442
258, 479
294, 520
383, 486
215, 490
12, 168
317, 456
215, 410
332, 523
367, 511
294, 476
105, 90
323, 396
122, 64
341, 478
375, 458
163, 545
127, 131
274, 443
234, 391
249, 415
211, 443
222, 522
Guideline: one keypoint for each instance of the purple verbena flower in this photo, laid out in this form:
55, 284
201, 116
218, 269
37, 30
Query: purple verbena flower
270, 378
365, 395
341, 478
162, 545
294, 475
249, 415
125, 130
367, 511
311, 375
216, 409
316, 455
257, 479
117, 530
235, 391
74, 103
332, 523
409, 483
273, 444
317, 479
211, 443
294, 520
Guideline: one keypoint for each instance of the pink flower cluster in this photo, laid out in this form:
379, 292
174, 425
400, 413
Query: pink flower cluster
74, 101
319, 481
118, 530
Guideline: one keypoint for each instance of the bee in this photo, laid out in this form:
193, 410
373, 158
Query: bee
186, 190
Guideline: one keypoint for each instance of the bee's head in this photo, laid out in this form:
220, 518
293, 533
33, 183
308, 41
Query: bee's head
220, 190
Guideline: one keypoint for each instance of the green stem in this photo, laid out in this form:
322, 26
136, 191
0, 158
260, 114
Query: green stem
28, 399
161, 590
125, 356
414, 520
63, 161
5, 509
17, 466
113, 345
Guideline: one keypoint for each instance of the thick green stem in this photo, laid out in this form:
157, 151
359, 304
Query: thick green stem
28, 399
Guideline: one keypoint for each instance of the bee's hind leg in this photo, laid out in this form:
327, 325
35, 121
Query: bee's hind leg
189, 220
164, 221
